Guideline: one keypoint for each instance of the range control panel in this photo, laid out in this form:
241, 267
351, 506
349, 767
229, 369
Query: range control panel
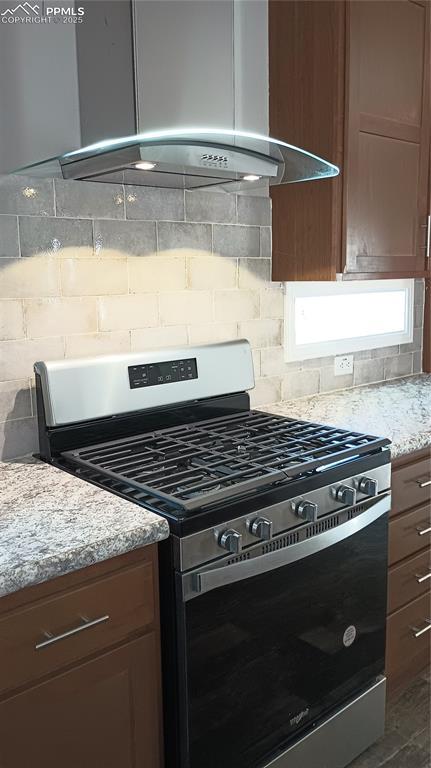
153, 374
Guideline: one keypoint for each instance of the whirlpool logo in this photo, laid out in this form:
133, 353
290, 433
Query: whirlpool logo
300, 716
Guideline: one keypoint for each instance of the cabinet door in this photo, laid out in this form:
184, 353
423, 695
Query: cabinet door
306, 108
387, 137
102, 714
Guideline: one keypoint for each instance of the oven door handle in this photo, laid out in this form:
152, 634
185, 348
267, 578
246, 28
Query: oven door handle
201, 581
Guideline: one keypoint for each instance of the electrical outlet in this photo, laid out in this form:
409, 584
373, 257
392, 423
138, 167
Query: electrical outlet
343, 364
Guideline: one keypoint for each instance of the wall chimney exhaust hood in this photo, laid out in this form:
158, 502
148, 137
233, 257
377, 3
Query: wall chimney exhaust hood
132, 66
187, 158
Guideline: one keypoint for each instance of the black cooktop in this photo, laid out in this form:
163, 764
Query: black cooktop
187, 468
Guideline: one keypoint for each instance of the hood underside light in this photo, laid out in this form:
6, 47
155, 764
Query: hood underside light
145, 166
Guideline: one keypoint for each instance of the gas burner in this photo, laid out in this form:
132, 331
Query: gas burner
184, 463
223, 446
190, 493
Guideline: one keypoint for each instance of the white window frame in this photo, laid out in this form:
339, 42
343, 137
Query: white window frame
294, 351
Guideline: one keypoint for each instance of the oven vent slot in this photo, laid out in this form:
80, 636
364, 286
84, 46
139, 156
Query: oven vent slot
356, 511
323, 525
285, 541
239, 558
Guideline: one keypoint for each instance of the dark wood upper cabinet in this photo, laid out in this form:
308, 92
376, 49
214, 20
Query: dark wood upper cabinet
387, 137
350, 81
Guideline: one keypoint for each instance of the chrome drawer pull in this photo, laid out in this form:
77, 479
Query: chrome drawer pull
428, 243
50, 639
418, 632
423, 483
420, 578
423, 531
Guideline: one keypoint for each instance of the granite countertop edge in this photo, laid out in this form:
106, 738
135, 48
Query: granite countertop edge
32, 572
409, 446
63, 524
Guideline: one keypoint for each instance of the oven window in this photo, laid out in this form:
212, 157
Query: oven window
270, 655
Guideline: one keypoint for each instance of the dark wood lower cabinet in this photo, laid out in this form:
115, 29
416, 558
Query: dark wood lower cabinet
408, 643
101, 714
90, 699
408, 651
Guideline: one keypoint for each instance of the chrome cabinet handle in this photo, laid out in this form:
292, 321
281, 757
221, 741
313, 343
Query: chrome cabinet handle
418, 632
424, 483
423, 531
427, 249
50, 639
427, 226
425, 577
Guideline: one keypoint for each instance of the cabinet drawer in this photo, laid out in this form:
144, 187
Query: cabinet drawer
409, 485
38, 640
408, 581
409, 534
406, 654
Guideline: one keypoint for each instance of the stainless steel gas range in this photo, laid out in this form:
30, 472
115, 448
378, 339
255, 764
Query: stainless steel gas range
273, 581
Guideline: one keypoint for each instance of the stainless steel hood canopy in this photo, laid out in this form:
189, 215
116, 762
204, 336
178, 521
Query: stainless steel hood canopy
188, 158
132, 66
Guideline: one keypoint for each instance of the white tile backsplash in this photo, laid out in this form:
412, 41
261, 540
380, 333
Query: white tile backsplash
89, 268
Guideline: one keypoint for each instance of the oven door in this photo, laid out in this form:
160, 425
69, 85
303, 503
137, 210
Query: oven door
274, 643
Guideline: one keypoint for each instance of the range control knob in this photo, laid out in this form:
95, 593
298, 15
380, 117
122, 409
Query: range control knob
306, 510
368, 485
231, 540
345, 495
260, 527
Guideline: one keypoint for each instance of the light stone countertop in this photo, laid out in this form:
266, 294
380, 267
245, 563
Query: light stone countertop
52, 523
399, 410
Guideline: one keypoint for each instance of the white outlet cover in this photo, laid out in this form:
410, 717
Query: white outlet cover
343, 365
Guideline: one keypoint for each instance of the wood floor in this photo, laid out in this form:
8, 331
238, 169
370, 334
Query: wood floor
406, 743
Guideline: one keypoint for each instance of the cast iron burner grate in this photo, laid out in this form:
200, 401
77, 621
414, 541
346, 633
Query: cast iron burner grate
193, 465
